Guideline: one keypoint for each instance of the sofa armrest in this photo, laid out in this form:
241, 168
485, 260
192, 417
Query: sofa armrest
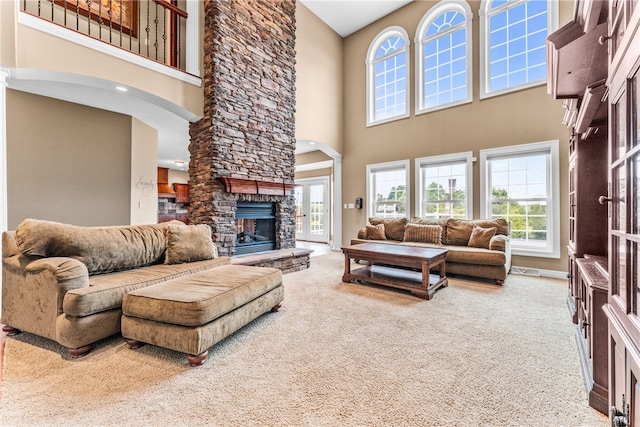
33, 290
68, 272
499, 242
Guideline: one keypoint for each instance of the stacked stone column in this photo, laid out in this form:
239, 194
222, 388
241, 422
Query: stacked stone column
248, 128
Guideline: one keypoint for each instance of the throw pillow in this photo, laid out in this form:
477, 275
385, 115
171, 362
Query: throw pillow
393, 228
189, 243
100, 249
376, 232
459, 231
442, 222
423, 233
480, 237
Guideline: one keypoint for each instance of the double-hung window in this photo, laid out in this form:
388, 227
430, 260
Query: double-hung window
443, 56
521, 183
388, 76
388, 189
445, 186
513, 37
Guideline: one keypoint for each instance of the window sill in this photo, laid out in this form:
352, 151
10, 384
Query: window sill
390, 119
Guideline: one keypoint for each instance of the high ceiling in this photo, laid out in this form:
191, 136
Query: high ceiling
346, 17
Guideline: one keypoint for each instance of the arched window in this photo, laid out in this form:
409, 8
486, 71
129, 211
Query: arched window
443, 55
513, 36
388, 76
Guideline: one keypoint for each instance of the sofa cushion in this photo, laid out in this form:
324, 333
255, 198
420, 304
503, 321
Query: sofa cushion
459, 230
376, 232
105, 291
189, 243
101, 249
201, 297
467, 255
480, 237
423, 233
393, 227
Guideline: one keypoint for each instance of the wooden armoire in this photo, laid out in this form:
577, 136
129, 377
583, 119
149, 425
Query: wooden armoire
623, 200
577, 72
604, 287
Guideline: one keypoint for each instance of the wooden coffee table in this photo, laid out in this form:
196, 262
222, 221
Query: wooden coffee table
385, 262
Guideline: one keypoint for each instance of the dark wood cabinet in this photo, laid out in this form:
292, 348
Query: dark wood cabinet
587, 182
172, 199
587, 217
577, 73
592, 333
182, 193
164, 189
166, 217
184, 217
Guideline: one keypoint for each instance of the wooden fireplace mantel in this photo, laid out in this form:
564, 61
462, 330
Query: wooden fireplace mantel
253, 186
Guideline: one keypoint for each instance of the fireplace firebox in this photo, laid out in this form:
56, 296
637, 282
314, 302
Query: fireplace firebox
256, 227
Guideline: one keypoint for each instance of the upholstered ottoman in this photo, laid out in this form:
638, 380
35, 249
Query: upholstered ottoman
192, 313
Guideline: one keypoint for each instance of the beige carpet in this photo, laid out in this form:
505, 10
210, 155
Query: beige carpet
336, 354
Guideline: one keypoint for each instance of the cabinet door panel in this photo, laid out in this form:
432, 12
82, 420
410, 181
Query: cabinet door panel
624, 211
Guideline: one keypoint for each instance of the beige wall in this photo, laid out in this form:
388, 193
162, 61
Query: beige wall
179, 177
318, 80
7, 41
144, 188
38, 50
63, 168
522, 117
311, 157
316, 173
24, 47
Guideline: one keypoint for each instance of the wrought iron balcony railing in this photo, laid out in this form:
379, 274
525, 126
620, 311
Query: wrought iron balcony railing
155, 29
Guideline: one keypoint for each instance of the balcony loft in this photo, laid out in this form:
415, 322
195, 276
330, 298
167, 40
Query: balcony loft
164, 32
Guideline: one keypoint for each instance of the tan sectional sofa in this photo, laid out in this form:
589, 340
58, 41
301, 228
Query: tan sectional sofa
480, 248
67, 283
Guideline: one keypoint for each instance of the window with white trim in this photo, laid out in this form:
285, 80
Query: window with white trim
521, 183
513, 36
445, 186
388, 189
443, 56
388, 76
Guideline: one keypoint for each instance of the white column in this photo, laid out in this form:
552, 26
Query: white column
337, 202
4, 74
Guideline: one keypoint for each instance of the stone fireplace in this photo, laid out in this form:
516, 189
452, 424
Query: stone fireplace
242, 150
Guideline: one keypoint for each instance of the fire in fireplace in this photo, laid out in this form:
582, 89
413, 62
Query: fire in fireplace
256, 227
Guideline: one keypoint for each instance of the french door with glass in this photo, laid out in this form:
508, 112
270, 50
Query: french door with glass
312, 209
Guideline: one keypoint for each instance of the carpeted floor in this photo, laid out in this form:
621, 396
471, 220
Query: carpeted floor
336, 354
